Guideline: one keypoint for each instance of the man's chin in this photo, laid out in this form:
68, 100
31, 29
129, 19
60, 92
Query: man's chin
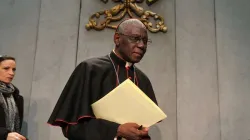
136, 60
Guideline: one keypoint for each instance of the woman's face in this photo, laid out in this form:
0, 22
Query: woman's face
7, 71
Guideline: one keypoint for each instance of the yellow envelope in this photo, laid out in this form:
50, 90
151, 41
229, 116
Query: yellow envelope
127, 103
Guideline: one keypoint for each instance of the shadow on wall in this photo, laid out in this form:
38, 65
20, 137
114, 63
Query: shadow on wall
155, 133
24, 129
25, 123
37, 127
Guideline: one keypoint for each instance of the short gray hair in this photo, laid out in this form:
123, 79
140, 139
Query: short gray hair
126, 23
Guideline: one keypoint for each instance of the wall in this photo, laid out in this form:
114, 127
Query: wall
199, 69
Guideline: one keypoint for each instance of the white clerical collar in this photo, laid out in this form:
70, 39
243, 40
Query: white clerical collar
128, 64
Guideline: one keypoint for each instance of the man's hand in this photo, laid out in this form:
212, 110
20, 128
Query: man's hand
130, 131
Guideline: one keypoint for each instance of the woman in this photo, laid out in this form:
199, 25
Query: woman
11, 103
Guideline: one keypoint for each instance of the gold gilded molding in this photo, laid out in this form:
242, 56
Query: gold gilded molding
130, 8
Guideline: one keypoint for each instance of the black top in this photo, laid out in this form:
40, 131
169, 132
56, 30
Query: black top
91, 80
19, 103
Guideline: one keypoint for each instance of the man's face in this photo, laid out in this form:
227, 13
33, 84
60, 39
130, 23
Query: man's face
132, 43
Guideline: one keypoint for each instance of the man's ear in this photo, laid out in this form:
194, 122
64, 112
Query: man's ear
117, 39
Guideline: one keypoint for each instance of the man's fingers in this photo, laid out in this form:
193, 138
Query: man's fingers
135, 125
146, 128
143, 133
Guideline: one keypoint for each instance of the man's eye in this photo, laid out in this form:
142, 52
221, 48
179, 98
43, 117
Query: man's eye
137, 38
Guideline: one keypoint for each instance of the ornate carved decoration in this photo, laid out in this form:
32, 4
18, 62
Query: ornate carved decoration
119, 11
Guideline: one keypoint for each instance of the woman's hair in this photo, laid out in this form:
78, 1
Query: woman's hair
5, 57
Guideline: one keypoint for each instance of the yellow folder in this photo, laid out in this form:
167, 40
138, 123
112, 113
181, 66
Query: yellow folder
127, 103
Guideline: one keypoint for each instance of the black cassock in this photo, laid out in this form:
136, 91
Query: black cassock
91, 80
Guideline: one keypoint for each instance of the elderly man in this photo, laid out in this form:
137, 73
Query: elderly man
94, 78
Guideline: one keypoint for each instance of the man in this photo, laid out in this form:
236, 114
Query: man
94, 78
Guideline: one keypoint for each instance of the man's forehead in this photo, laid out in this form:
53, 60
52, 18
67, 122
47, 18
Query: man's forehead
136, 30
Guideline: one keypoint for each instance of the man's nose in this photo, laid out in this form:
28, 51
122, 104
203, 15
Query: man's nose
141, 44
